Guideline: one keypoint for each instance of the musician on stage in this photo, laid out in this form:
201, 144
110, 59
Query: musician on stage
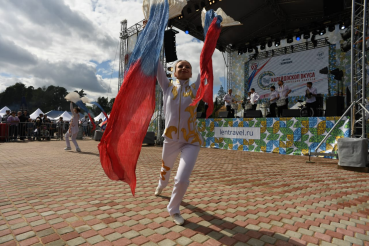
273, 101
228, 99
311, 93
254, 98
283, 92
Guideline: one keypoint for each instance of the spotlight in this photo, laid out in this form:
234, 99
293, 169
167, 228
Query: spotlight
289, 39
306, 35
187, 30
270, 43
277, 42
342, 26
331, 28
298, 37
250, 49
262, 46
197, 7
180, 17
322, 31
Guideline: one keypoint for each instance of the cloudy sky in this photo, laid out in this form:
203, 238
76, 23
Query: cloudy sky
74, 44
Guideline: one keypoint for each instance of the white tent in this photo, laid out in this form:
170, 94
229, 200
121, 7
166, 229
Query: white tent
66, 116
3, 111
36, 114
100, 116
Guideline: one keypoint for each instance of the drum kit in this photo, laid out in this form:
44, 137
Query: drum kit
304, 111
264, 108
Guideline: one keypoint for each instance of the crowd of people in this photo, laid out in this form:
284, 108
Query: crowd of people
21, 126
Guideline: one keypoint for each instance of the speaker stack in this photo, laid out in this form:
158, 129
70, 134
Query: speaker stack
335, 106
253, 114
170, 45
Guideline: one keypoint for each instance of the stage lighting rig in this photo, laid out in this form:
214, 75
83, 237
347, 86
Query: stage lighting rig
250, 49
277, 42
197, 7
289, 39
331, 28
346, 35
313, 40
338, 74
322, 31
342, 26
270, 43
262, 46
298, 37
307, 35
187, 30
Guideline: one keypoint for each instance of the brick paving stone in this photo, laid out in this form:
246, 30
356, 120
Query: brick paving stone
25, 236
76, 196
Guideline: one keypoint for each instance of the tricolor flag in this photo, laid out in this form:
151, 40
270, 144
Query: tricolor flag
121, 142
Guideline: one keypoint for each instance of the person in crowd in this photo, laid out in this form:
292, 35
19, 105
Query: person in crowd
25, 114
273, 101
29, 128
38, 126
283, 92
85, 122
73, 128
22, 125
254, 98
13, 122
47, 123
45, 134
185, 139
6, 115
228, 100
60, 126
311, 93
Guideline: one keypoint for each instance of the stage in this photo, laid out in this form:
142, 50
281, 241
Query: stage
287, 136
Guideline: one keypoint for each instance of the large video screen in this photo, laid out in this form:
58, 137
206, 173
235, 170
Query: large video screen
294, 69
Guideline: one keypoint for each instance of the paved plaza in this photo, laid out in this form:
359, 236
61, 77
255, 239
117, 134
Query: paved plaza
52, 197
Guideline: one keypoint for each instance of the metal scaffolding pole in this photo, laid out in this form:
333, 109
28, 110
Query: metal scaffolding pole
122, 51
229, 71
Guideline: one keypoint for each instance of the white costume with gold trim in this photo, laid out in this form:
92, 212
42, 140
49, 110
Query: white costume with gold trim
181, 135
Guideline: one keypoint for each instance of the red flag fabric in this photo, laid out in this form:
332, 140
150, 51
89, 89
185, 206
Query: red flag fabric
205, 91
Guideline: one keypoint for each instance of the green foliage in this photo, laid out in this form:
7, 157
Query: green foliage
273, 137
301, 145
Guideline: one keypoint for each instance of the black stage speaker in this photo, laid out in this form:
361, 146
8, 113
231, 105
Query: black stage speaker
223, 114
253, 114
170, 45
335, 106
333, 6
291, 113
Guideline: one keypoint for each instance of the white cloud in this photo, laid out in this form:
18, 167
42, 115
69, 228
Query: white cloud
45, 42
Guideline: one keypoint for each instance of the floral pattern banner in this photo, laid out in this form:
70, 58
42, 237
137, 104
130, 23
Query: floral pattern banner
288, 136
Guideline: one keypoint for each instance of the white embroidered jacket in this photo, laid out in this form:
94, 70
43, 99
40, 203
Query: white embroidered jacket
180, 117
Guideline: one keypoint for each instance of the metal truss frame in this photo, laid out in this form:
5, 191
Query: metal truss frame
359, 25
358, 66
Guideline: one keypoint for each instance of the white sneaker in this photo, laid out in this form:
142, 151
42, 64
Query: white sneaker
67, 148
78, 150
158, 191
178, 219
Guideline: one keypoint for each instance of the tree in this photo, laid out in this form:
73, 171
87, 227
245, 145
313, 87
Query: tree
81, 93
221, 94
111, 102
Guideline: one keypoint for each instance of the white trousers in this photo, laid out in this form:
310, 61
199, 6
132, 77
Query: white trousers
74, 137
187, 161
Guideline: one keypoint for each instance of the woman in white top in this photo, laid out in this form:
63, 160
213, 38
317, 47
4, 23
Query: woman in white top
73, 128
181, 135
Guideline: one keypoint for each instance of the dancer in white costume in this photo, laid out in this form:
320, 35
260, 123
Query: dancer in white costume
181, 135
73, 129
